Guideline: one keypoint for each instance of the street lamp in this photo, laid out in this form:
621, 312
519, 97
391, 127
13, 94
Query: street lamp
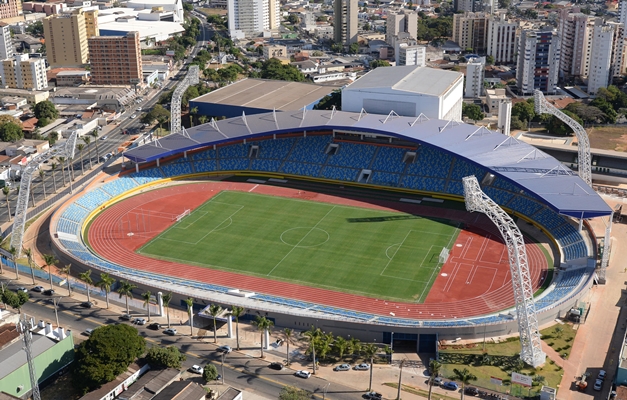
222, 367
391, 347
55, 301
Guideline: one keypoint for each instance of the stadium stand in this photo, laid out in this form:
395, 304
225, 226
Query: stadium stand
430, 162
352, 155
390, 159
275, 149
301, 169
203, 155
205, 166
565, 285
119, 186
310, 149
75, 213
176, 169
93, 199
340, 174
147, 175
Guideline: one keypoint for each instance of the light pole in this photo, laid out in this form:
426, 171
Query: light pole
222, 367
400, 380
55, 301
391, 347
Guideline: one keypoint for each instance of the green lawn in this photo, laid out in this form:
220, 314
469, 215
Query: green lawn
377, 253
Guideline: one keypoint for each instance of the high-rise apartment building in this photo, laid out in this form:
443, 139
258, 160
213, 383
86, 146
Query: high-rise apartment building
622, 12
488, 6
575, 31
475, 71
116, 60
505, 117
10, 9
91, 23
66, 39
250, 17
601, 60
538, 61
501, 39
405, 21
21, 72
345, 21
411, 54
470, 31
619, 50
6, 44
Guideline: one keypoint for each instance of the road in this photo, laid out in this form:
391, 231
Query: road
240, 370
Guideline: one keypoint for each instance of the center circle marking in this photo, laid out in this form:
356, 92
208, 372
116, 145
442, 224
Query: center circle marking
305, 237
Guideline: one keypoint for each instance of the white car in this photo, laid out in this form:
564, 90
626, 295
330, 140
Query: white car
88, 331
139, 108
170, 331
362, 367
139, 321
197, 369
38, 289
133, 116
225, 349
303, 374
21, 289
342, 367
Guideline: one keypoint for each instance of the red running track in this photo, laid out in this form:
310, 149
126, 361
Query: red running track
475, 280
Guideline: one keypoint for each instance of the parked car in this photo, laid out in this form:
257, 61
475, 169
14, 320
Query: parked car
276, 365
104, 137
373, 396
38, 289
154, 326
49, 292
437, 381
87, 304
170, 331
450, 385
88, 331
21, 289
197, 369
133, 116
224, 349
303, 374
473, 391
602, 373
342, 367
362, 367
126, 317
139, 321
598, 384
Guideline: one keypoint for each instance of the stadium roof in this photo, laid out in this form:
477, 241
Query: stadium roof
408, 78
518, 162
267, 94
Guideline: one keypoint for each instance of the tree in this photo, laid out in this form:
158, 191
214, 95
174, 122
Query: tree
86, 277
262, 324
66, 270
353, 48
126, 290
558, 331
188, 7
434, 372
524, 110
147, 296
14, 300
214, 311
53, 167
288, 338
53, 137
168, 357
6, 190
105, 283
464, 376
49, 261
294, 393
10, 132
334, 99
36, 29
312, 336
61, 161
45, 109
190, 313
42, 174
41, 122
157, 113
369, 352
472, 111
106, 354
275, 69
80, 148
379, 63
13, 252
293, 19
94, 134
29, 257
237, 312
192, 112
167, 298
489, 60
87, 141
210, 373
340, 346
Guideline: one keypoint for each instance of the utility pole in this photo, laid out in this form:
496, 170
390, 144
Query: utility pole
400, 380
55, 301
223, 354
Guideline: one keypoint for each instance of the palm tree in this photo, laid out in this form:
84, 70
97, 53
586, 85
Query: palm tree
340, 346
369, 351
312, 335
6, 192
126, 290
80, 148
464, 376
42, 173
193, 111
86, 277
29, 257
62, 164
94, 134
146, 296
262, 324
190, 313
387, 349
50, 260
214, 311
87, 141
434, 370
203, 119
167, 298
13, 252
105, 284
237, 312
66, 271
354, 346
288, 338
53, 167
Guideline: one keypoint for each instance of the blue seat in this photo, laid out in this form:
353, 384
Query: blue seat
340, 174
74, 213
352, 155
239, 150
390, 159
384, 178
93, 199
176, 169
430, 162
275, 149
234, 164
203, 155
205, 165
463, 168
422, 183
265, 165
524, 205
310, 149
302, 169
147, 176
501, 197
119, 186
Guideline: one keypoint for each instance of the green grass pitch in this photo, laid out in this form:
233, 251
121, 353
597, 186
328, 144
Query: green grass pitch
370, 252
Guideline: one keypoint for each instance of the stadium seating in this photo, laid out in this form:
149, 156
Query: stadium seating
501, 197
302, 169
205, 165
563, 288
549, 219
265, 165
430, 162
384, 178
340, 174
389, 159
75, 213
455, 187
422, 183
505, 184
93, 199
119, 186
147, 175
352, 155
275, 149
524, 206
203, 155
310, 149
462, 168
239, 150
176, 169
233, 164
66, 226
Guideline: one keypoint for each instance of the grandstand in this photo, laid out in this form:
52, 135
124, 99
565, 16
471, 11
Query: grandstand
402, 154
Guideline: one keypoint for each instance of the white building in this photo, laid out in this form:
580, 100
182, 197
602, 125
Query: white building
601, 60
501, 39
475, 70
470, 31
22, 72
345, 21
493, 99
248, 18
505, 116
575, 31
622, 12
176, 6
6, 45
405, 21
411, 55
538, 61
408, 91
619, 50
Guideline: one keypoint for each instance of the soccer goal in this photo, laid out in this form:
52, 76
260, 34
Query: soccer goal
444, 255
181, 215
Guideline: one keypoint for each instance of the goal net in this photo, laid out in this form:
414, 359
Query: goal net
444, 255
181, 215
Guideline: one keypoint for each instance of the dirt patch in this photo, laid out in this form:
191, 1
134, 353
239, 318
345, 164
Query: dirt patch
608, 138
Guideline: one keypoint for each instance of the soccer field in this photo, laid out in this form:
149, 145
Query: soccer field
375, 253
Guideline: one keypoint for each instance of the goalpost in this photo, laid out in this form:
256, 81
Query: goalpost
181, 215
444, 255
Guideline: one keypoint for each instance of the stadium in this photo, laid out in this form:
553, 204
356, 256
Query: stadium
353, 222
